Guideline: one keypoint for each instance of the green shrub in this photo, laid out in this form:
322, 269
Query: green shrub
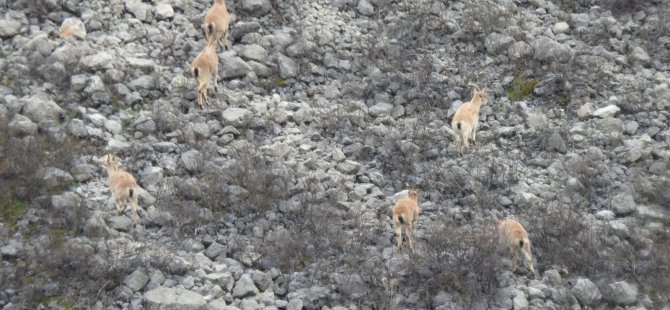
521, 88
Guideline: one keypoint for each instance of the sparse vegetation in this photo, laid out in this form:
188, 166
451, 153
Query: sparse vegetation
521, 88
460, 259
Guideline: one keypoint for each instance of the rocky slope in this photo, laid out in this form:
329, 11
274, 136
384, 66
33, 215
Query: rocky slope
278, 195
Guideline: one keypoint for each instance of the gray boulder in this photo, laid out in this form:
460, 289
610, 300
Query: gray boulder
519, 50
236, 116
245, 287
55, 177
380, 109
255, 52
101, 60
139, 9
622, 293
67, 200
163, 298
546, 49
496, 42
257, 7
9, 27
40, 109
233, 67
12, 249
262, 280
365, 8
586, 292
288, 68
192, 160
136, 280
21, 125
623, 204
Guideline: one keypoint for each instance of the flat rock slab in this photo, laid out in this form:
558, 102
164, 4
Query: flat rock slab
164, 298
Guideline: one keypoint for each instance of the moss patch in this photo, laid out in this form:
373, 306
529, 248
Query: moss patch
521, 88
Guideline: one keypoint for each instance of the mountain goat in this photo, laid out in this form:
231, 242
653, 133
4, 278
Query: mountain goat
123, 186
516, 238
466, 120
405, 214
205, 67
216, 24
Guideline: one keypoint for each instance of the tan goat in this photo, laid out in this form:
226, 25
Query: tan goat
123, 186
205, 67
405, 214
466, 120
516, 238
216, 24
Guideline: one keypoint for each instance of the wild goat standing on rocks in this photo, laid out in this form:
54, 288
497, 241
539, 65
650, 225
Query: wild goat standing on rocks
216, 24
405, 214
205, 67
123, 186
466, 120
516, 238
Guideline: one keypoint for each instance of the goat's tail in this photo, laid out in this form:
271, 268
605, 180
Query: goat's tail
210, 28
196, 72
131, 192
400, 219
458, 125
521, 243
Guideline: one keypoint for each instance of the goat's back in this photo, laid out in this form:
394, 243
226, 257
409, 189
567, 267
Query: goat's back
512, 231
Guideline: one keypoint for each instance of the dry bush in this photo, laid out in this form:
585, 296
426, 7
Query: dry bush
485, 178
621, 7
486, 16
598, 252
593, 176
69, 271
553, 225
322, 240
653, 189
265, 181
456, 259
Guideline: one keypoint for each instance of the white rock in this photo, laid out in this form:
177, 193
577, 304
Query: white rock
164, 11
606, 112
72, 27
560, 27
163, 298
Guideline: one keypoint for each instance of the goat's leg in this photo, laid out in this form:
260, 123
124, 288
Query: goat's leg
515, 258
409, 239
397, 230
529, 256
